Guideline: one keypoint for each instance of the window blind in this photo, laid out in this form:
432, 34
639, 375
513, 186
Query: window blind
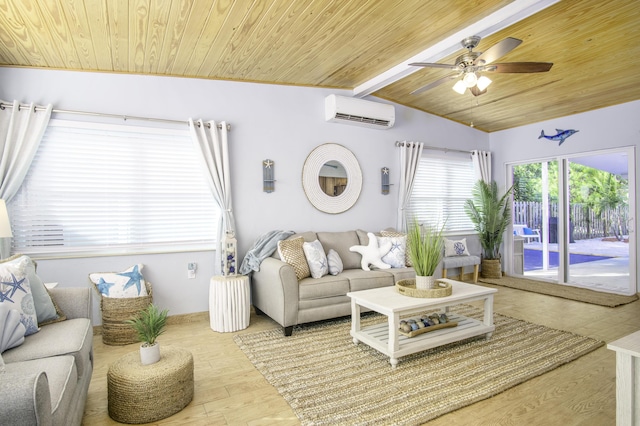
110, 189
441, 188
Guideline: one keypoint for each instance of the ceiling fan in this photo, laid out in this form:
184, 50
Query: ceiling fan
469, 65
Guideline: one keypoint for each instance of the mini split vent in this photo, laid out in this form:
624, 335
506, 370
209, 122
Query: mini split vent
341, 109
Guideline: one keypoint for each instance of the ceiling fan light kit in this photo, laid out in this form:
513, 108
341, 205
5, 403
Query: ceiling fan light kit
460, 87
470, 64
483, 82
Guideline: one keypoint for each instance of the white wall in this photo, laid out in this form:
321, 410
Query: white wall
282, 123
613, 127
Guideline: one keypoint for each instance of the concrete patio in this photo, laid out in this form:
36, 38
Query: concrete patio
610, 275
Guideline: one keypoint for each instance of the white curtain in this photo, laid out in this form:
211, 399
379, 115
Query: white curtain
482, 165
21, 130
212, 144
410, 153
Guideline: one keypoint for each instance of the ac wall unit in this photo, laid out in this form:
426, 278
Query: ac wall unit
342, 109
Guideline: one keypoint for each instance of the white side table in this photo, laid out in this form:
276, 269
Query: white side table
627, 379
229, 303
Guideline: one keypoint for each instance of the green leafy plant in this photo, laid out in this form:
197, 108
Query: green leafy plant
149, 324
490, 214
425, 245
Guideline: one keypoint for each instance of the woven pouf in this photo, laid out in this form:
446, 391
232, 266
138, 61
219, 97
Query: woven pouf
145, 393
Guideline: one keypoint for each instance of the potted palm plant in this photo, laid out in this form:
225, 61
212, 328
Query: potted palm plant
491, 215
425, 245
149, 324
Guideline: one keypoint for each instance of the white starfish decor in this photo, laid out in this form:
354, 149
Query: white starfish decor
372, 254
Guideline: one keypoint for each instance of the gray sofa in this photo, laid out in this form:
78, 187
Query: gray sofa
276, 291
46, 378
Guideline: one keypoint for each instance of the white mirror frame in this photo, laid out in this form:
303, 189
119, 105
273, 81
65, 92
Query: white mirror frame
311, 183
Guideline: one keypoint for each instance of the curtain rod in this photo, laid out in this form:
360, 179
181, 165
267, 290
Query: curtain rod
401, 143
4, 105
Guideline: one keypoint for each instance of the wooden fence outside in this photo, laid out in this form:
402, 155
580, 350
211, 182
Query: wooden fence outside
584, 221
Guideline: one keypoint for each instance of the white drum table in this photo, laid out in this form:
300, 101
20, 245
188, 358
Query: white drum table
229, 303
386, 338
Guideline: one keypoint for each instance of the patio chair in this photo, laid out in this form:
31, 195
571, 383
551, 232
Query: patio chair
527, 233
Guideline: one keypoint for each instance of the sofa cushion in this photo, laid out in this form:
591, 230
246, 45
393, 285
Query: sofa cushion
44, 305
401, 273
335, 263
11, 328
62, 377
327, 286
316, 259
340, 242
291, 251
72, 337
307, 236
15, 292
392, 233
396, 255
364, 280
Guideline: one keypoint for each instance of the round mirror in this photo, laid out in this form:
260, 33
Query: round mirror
331, 178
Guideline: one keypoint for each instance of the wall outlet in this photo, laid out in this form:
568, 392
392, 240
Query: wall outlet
191, 269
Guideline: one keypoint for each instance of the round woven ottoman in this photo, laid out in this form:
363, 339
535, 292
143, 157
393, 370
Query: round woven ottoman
145, 393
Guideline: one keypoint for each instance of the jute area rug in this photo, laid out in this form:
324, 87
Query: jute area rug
564, 291
327, 380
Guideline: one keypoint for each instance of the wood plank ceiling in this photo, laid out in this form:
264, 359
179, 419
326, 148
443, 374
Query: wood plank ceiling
594, 45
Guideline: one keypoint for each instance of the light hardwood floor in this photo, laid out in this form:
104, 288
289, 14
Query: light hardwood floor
230, 391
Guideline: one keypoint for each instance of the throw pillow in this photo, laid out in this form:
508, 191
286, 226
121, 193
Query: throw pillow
129, 283
15, 292
11, 329
396, 255
60, 316
335, 263
316, 259
407, 254
291, 251
45, 308
455, 248
372, 253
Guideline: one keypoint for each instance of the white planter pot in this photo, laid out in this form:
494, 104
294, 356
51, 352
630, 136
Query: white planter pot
425, 283
150, 354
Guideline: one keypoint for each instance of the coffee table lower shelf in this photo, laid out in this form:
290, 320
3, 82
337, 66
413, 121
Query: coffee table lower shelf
377, 336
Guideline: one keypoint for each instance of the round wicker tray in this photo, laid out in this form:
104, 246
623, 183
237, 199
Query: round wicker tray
408, 288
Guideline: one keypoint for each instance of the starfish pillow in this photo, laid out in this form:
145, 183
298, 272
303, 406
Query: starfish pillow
372, 254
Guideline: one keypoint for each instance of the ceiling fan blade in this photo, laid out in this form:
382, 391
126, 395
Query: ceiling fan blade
497, 51
436, 83
477, 92
520, 67
433, 65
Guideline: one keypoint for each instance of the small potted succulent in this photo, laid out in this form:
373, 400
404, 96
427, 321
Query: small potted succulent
149, 324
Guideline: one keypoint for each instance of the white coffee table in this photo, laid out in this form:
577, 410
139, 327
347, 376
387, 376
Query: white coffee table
386, 338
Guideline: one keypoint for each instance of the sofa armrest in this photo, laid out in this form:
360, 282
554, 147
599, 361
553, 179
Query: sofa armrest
25, 399
274, 290
75, 302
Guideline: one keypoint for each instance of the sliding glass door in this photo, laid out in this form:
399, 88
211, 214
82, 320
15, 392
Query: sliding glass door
573, 220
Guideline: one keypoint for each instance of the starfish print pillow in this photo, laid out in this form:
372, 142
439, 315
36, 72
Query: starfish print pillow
128, 283
15, 293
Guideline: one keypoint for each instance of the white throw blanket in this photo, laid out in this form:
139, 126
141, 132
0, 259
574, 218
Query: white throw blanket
262, 248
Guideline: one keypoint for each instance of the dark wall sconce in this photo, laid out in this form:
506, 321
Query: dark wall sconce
384, 172
268, 183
